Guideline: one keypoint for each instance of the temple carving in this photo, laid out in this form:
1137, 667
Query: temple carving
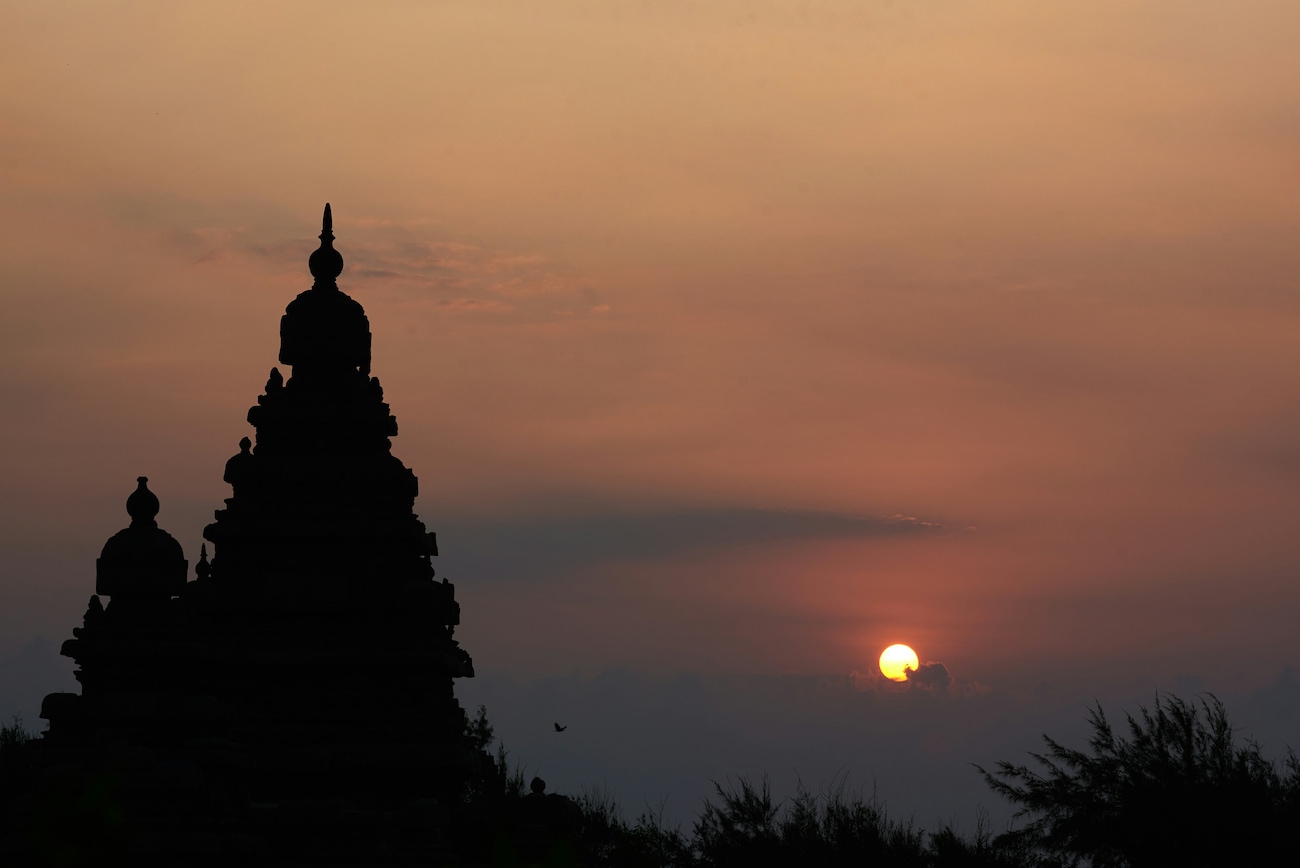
295, 696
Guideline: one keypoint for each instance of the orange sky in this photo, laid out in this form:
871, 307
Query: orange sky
1024, 270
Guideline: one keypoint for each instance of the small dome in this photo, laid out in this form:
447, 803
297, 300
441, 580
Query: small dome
143, 560
237, 468
142, 505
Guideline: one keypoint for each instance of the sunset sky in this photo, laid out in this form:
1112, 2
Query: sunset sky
731, 342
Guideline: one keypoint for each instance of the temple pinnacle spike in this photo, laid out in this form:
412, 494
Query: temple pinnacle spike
326, 264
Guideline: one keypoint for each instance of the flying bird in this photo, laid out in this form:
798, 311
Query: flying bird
559, 728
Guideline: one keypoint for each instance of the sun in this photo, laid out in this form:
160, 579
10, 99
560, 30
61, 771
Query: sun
896, 660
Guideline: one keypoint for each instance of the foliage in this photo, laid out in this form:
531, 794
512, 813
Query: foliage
654, 844
515, 782
1179, 789
741, 829
15, 760
13, 737
479, 730
743, 826
949, 847
836, 828
1176, 786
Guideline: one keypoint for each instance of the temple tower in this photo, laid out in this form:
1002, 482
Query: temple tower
294, 700
332, 641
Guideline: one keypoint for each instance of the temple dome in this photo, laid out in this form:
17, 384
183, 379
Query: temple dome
324, 330
143, 560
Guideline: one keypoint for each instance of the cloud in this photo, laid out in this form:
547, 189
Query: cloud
532, 285
512, 551
376, 273
476, 305
408, 259
460, 277
901, 520
931, 676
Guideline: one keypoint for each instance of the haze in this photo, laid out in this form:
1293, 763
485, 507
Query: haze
731, 342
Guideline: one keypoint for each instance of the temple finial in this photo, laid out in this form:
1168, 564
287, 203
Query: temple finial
142, 505
326, 263
203, 569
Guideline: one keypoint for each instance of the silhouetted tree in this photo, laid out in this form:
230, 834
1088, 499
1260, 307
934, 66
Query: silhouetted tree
949, 848
15, 767
742, 829
839, 828
1180, 789
745, 827
479, 731
13, 736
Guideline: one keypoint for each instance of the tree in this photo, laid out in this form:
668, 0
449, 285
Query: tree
479, 731
15, 763
1180, 789
742, 830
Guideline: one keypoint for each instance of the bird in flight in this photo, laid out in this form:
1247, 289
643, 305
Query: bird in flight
559, 728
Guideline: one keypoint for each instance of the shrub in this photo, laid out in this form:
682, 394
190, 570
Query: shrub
13, 737
1179, 789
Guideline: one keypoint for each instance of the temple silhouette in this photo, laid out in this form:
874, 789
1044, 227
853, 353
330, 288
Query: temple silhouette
293, 700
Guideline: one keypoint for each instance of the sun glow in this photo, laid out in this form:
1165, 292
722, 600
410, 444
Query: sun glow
896, 660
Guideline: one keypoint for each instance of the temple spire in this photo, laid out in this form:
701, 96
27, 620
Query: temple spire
326, 263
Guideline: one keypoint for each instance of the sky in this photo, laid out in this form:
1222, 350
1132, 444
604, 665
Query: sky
731, 343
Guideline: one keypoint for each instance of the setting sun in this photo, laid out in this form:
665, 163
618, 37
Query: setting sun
896, 660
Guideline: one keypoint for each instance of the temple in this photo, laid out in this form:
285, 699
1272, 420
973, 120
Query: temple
294, 697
